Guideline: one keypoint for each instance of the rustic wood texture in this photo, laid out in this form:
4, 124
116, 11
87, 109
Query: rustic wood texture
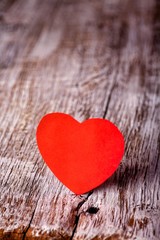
96, 58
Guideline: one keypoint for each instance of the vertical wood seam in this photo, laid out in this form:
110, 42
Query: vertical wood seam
77, 216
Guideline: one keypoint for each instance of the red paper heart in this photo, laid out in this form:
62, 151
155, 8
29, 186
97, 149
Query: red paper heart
81, 155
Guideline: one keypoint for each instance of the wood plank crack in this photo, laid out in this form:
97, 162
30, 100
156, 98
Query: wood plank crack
25, 232
108, 101
77, 217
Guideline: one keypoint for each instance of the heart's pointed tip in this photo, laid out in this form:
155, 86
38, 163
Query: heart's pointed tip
80, 192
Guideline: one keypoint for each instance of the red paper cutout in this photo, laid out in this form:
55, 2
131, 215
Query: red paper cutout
81, 155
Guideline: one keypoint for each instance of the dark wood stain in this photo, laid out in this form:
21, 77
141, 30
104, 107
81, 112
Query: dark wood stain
156, 28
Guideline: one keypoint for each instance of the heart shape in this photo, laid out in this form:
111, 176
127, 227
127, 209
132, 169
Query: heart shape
81, 155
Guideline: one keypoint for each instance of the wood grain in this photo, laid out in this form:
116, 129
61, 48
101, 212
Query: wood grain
88, 59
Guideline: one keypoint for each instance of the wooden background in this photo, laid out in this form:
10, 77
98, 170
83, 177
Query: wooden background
88, 58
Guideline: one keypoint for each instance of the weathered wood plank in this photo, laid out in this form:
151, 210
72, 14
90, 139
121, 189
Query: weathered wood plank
89, 59
35, 89
128, 203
